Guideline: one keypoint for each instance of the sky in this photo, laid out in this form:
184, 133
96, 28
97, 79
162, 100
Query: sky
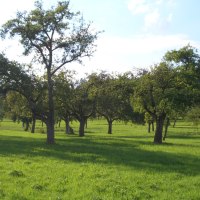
137, 33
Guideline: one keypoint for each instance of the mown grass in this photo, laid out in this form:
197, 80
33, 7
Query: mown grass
123, 166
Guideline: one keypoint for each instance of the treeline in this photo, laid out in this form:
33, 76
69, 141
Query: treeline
165, 92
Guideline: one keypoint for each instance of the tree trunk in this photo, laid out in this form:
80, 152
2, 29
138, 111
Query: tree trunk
50, 118
109, 126
166, 128
149, 127
33, 123
67, 127
26, 125
152, 125
82, 127
174, 123
86, 123
159, 129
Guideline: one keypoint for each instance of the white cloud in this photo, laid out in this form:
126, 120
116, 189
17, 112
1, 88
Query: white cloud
156, 13
138, 6
152, 18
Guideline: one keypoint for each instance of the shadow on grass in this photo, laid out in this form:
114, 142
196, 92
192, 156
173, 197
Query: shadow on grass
100, 151
190, 135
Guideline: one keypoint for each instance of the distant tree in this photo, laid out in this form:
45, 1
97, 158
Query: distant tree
193, 115
113, 97
18, 109
64, 88
83, 104
57, 36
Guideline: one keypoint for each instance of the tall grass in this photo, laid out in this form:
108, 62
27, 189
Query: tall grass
123, 166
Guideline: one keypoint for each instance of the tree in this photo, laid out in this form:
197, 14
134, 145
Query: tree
187, 62
56, 37
113, 97
193, 115
83, 104
14, 77
64, 88
18, 109
150, 121
157, 92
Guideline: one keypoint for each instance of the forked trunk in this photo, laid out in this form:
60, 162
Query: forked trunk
159, 129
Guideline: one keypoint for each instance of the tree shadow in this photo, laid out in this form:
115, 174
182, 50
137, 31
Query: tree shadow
98, 150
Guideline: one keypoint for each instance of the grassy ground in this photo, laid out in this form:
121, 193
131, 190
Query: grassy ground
122, 166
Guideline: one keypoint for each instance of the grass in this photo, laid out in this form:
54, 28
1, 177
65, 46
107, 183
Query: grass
123, 166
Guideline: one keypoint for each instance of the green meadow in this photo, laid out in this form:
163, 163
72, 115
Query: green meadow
123, 166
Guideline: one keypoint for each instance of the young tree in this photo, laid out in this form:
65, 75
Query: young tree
56, 37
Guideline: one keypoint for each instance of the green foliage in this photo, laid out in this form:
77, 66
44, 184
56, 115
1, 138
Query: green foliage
2, 108
193, 115
113, 95
57, 36
17, 105
187, 62
157, 90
